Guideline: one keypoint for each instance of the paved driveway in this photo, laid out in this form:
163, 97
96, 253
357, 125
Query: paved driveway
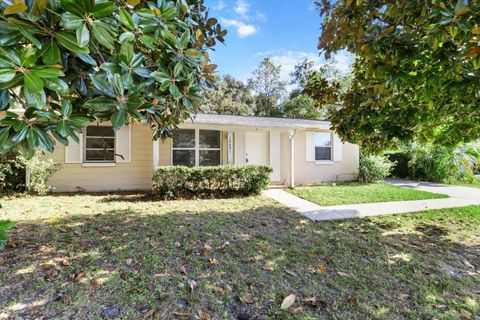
458, 197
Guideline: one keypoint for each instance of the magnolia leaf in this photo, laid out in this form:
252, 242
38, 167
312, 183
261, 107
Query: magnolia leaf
15, 8
126, 19
70, 43
83, 35
56, 85
288, 301
7, 75
32, 82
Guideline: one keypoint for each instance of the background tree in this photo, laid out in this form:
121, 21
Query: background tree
302, 106
318, 90
299, 76
268, 88
416, 72
70, 62
231, 96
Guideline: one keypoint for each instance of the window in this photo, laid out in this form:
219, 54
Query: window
194, 147
183, 148
323, 146
99, 144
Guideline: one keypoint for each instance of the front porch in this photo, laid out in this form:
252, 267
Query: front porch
207, 144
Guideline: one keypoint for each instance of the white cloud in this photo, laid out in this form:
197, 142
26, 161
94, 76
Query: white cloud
242, 7
243, 29
220, 5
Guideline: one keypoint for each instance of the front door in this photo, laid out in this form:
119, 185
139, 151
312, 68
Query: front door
256, 148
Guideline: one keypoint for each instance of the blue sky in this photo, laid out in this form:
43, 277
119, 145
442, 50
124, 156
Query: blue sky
285, 30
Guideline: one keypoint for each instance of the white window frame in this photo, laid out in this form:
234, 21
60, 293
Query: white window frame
331, 148
107, 162
197, 148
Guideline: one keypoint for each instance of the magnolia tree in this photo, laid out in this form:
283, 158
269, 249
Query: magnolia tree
70, 62
416, 74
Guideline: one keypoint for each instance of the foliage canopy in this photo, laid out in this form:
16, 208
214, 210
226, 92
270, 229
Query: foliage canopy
416, 73
66, 63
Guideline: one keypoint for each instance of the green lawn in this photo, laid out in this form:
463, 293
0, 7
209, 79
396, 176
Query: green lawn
329, 195
91, 256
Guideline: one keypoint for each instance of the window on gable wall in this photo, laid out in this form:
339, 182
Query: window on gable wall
196, 147
323, 146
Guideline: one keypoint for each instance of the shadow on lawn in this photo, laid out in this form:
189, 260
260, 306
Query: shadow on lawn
129, 262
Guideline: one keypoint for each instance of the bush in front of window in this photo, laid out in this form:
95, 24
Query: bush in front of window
177, 182
374, 168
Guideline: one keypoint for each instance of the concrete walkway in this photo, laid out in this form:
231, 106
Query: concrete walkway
459, 197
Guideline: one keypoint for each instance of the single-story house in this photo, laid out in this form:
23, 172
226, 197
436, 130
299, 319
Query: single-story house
299, 151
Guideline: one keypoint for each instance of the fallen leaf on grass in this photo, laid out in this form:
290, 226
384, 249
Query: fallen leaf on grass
78, 276
183, 270
213, 261
64, 262
192, 285
95, 283
343, 274
224, 245
206, 249
322, 268
290, 272
66, 298
180, 314
288, 301
352, 300
311, 254
466, 314
129, 261
296, 310
149, 313
203, 315
314, 301
218, 290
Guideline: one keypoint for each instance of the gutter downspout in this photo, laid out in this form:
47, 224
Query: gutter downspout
291, 137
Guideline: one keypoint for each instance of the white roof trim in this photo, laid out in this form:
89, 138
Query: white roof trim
250, 121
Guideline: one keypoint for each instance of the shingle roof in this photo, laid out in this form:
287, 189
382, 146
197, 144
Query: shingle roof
203, 118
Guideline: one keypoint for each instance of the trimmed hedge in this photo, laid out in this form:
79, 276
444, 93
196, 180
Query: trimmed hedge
177, 182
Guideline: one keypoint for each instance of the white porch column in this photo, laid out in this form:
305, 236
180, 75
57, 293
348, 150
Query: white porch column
292, 158
156, 153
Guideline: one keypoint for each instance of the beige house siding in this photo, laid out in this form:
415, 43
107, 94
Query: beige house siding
165, 155
134, 175
311, 172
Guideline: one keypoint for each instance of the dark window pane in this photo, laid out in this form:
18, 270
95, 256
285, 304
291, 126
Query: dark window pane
184, 138
183, 158
100, 143
323, 153
99, 155
209, 139
323, 139
209, 157
100, 131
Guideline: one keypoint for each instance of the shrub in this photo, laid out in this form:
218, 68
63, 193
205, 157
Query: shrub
4, 226
400, 160
435, 163
12, 172
206, 182
374, 168
40, 171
